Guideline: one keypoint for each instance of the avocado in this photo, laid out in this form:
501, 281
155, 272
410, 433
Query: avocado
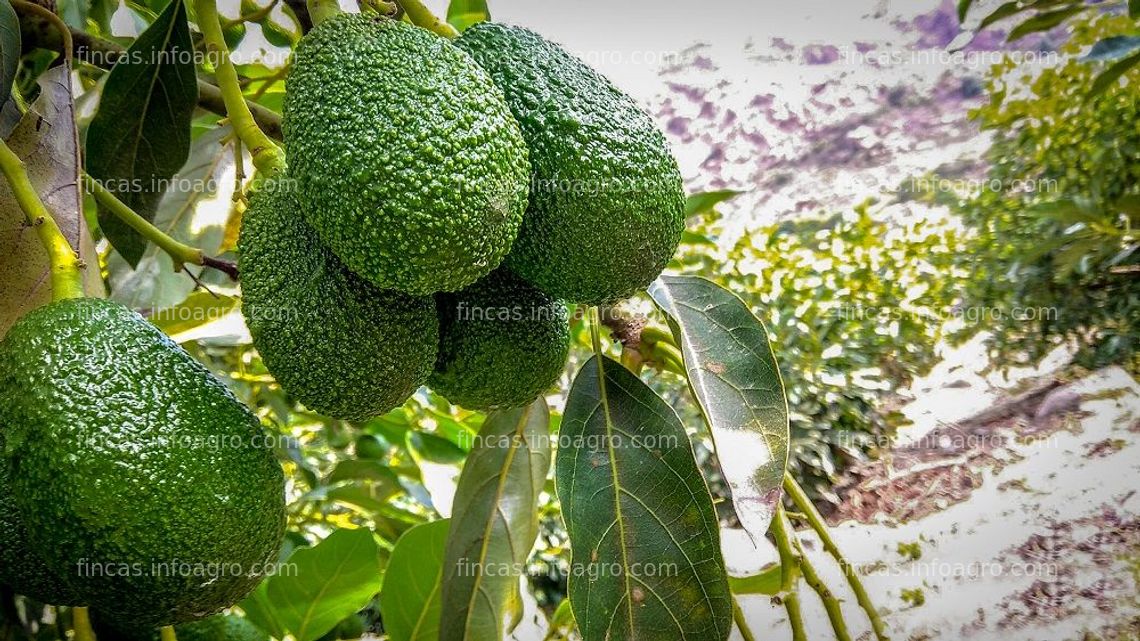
333, 341
408, 162
221, 627
502, 343
22, 568
607, 206
140, 478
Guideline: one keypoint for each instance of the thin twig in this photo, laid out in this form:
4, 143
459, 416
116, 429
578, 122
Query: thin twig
815, 520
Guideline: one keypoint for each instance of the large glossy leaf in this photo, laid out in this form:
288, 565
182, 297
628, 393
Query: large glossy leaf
9, 48
494, 524
45, 139
140, 137
324, 584
734, 377
464, 13
410, 600
646, 559
193, 211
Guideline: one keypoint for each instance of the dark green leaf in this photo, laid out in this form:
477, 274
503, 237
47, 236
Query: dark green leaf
326, 583
494, 524
45, 139
154, 283
1114, 48
464, 13
1043, 22
9, 48
646, 560
769, 581
735, 379
1004, 11
705, 201
1112, 75
964, 9
141, 133
1134, 9
409, 603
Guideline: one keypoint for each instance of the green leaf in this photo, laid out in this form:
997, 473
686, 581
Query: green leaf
1109, 77
1113, 48
45, 139
363, 470
9, 48
410, 600
259, 610
324, 584
1004, 11
769, 581
464, 13
646, 559
140, 136
1043, 22
495, 523
199, 308
704, 202
1134, 9
736, 381
964, 9
192, 212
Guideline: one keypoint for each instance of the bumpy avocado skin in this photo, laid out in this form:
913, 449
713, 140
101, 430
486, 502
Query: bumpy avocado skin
140, 478
502, 343
607, 206
409, 164
333, 341
222, 627
21, 567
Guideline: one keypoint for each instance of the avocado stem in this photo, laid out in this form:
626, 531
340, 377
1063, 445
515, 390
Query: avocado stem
421, 16
267, 156
81, 623
167, 634
180, 253
66, 266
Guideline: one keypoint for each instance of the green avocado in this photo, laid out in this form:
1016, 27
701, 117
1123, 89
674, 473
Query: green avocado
607, 206
333, 341
140, 478
502, 343
408, 162
22, 568
221, 627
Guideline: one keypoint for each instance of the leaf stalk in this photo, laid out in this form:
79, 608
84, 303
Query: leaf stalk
66, 267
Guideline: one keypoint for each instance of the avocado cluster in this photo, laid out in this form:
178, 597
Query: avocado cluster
221, 627
430, 181
131, 479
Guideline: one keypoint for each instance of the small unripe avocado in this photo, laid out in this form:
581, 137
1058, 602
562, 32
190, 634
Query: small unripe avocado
333, 341
140, 478
607, 206
410, 166
502, 343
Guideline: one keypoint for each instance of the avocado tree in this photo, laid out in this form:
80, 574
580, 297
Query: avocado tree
446, 220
